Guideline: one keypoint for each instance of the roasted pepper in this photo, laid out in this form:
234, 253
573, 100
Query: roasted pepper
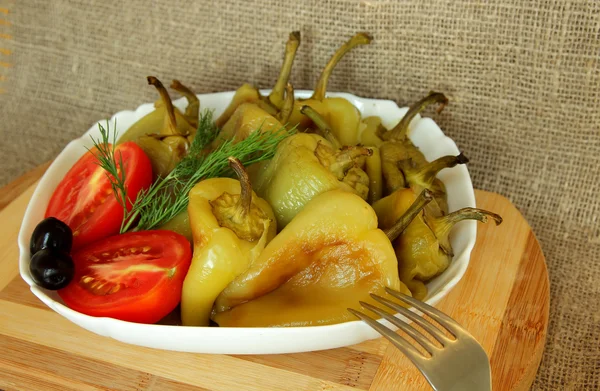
397, 146
371, 163
192, 110
330, 257
170, 144
250, 94
423, 249
247, 118
230, 227
339, 113
424, 176
304, 166
154, 122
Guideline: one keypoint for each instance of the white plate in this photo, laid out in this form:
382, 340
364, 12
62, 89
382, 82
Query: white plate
424, 133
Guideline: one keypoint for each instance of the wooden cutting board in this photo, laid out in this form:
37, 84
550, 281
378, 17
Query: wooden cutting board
502, 300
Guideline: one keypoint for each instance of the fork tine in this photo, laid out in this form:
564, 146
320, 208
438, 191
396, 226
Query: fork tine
447, 322
434, 331
409, 351
408, 329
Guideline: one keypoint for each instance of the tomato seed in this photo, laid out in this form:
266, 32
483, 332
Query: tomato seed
114, 289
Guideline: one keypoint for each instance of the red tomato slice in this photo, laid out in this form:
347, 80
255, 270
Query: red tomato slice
135, 277
85, 200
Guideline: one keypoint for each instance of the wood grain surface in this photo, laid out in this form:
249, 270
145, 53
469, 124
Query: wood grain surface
503, 300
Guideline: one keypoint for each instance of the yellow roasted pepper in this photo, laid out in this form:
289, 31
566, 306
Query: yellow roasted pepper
306, 165
247, 118
230, 227
170, 144
340, 114
423, 249
250, 94
154, 122
330, 257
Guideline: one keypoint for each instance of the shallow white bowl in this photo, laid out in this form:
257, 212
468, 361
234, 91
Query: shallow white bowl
424, 133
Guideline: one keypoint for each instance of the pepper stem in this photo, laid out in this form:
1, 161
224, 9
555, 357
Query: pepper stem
322, 125
245, 201
417, 206
356, 40
400, 131
276, 95
288, 105
445, 223
164, 95
193, 103
442, 225
425, 175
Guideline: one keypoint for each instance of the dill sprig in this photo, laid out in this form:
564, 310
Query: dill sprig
104, 151
168, 197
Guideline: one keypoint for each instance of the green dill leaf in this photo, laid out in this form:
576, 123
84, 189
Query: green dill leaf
104, 152
206, 133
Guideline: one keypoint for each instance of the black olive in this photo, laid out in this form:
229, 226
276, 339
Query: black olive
53, 234
51, 269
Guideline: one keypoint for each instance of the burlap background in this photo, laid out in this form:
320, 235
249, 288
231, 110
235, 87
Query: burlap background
523, 79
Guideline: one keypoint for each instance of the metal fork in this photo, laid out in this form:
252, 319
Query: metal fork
460, 364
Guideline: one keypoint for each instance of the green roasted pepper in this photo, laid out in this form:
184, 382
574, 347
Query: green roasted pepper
423, 177
396, 145
423, 249
304, 166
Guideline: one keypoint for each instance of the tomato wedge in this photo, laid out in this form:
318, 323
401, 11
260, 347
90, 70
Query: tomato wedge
85, 200
135, 277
